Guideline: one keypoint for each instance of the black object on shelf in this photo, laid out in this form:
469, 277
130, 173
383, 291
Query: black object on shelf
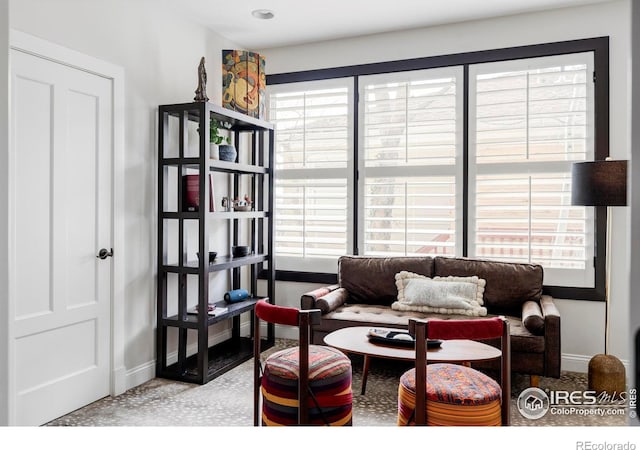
181, 280
212, 256
239, 251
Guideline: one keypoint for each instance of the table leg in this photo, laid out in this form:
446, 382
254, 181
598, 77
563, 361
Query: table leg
365, 373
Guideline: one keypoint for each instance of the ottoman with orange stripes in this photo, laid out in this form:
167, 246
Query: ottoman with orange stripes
330, 401
456, 395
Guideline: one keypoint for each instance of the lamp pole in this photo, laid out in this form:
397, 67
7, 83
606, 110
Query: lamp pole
603, 183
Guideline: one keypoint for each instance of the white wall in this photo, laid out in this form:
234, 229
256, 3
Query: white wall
582, 322
160, 54
4, 196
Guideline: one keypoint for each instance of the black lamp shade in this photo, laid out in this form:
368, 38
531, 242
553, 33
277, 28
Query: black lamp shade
599, 183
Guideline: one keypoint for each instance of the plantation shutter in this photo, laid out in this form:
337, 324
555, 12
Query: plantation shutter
529, 121
411, 168
313, 163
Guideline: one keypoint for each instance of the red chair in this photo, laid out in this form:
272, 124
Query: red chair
303, 385
452, 394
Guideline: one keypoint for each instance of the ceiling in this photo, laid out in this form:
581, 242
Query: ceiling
300, 21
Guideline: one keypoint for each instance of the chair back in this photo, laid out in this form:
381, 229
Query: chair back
473, 329
283, 315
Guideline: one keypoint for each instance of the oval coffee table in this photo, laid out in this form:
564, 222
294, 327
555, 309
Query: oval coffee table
355, 340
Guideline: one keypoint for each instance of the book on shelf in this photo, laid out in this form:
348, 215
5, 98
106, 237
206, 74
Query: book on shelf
191, 193
218, 311
212, 310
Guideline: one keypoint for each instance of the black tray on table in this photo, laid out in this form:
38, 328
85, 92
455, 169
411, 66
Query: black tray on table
397, 338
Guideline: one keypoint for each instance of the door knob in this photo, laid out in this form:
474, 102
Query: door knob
104, 253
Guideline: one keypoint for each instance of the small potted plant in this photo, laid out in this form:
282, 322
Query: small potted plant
225, 152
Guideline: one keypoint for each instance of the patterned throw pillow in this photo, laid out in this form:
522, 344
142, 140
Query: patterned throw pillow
443, 295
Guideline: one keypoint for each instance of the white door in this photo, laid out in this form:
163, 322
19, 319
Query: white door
61, 161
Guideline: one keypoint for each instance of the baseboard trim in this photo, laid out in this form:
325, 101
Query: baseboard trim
574, 363
147, 371
141, 374
580, 363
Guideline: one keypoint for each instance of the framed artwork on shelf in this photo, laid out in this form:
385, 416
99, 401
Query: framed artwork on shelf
244, 82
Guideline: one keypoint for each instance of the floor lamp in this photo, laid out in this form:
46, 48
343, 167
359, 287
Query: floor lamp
602, 183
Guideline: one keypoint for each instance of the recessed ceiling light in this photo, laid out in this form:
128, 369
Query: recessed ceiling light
262, 14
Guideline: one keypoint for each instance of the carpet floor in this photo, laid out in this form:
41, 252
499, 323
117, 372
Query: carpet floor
227, 401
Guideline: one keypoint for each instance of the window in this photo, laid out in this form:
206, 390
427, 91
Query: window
529, 121
411, 142
461, 155
314, 156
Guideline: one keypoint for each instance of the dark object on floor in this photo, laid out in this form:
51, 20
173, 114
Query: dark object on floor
607, 374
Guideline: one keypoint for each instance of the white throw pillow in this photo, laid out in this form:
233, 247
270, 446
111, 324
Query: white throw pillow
443, 295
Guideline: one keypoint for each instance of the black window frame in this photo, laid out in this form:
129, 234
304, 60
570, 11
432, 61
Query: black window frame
599, 46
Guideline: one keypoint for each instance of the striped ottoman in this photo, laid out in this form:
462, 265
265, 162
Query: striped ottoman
456, 395
329, 381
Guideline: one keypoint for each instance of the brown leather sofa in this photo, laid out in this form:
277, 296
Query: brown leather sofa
366, 289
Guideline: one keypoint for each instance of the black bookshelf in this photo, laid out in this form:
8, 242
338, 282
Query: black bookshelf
179, 329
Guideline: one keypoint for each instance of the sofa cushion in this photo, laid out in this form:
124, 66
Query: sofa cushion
373, 315
371, 280
382, 316
332, 300
448, 295
308, 300
509, 285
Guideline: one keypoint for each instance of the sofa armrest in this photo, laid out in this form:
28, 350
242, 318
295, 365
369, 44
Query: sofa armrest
308, 299
552, 348
549, 308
